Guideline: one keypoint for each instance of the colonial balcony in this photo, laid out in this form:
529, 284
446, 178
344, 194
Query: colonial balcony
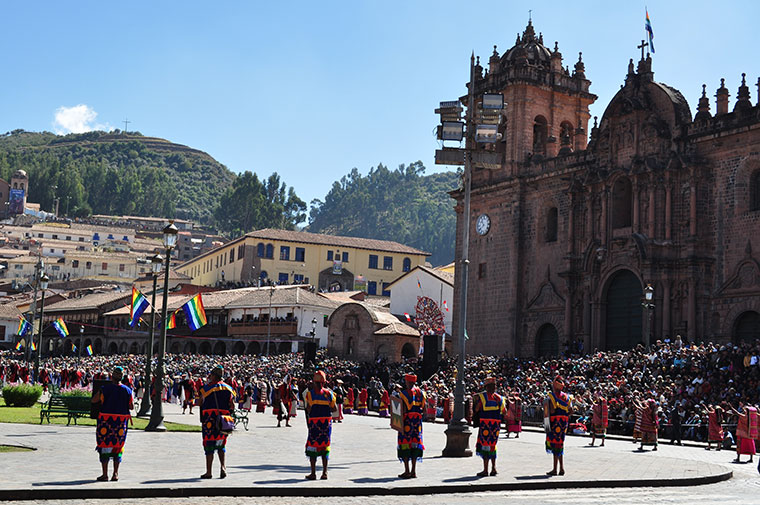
277, 328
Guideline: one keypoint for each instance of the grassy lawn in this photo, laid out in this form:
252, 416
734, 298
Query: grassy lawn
31, 415
13, 448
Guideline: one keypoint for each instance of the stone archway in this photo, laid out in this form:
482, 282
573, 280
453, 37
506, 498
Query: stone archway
113, 348
408, 351
746, 327
205, 348
220, 348
133, 349
238, 348
254, 348
624, 313
190, 348
547, 341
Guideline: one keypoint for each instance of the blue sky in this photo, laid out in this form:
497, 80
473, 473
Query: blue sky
313, 89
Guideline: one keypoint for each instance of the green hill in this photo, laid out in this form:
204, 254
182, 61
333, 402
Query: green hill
116, 173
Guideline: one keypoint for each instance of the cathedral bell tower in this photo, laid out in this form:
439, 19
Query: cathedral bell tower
546, 105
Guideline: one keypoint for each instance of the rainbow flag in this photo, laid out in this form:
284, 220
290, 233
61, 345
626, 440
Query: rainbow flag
23, 326
650, 32
88, 350
195, 315
171, 322
139, 304
60, 327
73, 348
33, 346
20, 344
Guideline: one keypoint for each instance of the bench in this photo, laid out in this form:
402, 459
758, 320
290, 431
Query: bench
71, 407
241, 416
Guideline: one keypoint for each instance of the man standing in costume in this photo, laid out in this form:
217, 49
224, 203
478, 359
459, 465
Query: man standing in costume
599, 419
410, 447
115, 401
514, 413
557, 410
385, 402
217, 399
320, 403
490, 410
362, 407
649, 422
746, 430
715, 427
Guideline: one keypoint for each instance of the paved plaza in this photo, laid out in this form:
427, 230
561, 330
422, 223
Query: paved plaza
267, 460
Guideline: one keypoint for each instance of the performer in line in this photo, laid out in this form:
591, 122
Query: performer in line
649, 423
217, 399
599, 419
361, 408
746, 430
115, 401
514, 413
489, 408
714, 427
557, 409
319, 403
385, 402
410, 447
348, 402
638, 415
286, 398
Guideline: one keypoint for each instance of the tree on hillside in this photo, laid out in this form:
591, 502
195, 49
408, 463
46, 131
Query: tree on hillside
403, 205
252, 204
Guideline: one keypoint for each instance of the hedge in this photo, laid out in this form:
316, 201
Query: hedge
21, 395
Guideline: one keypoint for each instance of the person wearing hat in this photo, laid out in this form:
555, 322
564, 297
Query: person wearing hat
217, 399
319, 403
115, 401
557, 410
489, 409
410, 447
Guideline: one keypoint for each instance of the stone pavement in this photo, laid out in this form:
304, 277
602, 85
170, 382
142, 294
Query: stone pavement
269, 461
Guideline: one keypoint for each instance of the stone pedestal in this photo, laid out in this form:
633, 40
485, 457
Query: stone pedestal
457, 441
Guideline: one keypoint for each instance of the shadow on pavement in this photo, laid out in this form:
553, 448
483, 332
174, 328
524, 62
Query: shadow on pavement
171, 481
372, 480
65, 483
468, 478
281, 481
532, 477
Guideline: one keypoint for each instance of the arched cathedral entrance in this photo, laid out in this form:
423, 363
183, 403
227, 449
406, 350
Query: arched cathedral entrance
624, 312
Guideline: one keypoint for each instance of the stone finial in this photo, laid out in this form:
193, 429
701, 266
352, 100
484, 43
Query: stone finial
541, 38
742, 97
703, 109
495, 52
630, 67
556, 47
721, 96
580, 68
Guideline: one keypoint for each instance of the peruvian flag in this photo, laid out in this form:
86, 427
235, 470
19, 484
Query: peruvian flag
408, 318
445, 305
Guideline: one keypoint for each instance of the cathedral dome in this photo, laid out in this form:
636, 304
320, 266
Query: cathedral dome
528, 48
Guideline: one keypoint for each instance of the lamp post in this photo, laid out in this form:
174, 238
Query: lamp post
648, 304
81, 343
156, 262
269, 317
313, 328
157, 412
43, 286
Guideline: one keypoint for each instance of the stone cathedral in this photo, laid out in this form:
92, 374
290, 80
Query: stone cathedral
580, 217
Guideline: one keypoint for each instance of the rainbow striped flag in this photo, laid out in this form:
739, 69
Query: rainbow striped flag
650, 32
171, 322
195, 315
60, 327
23, 326
20, 344
139, 304
88, 350
33, 346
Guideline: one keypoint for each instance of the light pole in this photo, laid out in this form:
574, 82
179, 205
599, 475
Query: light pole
43, 285
269, 317
648, 304
313, 328
156, 261
38, 269
81, 343
157, 413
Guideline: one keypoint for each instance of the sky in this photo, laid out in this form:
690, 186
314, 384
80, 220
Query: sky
313, 89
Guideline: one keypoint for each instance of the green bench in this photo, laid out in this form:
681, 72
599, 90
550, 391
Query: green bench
71, 407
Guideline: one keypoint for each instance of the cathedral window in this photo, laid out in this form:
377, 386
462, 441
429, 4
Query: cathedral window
540, 131
552, 218
622, 203
754, 191
566, 132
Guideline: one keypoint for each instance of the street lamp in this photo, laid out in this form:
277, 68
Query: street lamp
156, 262
157, 413
269, 317
81, 343
648, 304
44, 280
313, 328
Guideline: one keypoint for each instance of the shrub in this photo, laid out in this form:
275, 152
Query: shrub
76, 392
21, 395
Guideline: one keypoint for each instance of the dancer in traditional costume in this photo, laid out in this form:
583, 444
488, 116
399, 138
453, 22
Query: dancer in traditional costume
262, 393
361, 408
410, 447
431, 407
319, 403
746, 431
557, 409
385, 402
490, 410
348, 401
115, 401
514, 414
649, 423
286, 397
599, 420
638, 414
715, 427
217, 399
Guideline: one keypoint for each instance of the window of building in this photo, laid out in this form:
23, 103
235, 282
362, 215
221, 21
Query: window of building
372, 288
55, 236
300, 254
260, 251
52, 251
81, 239
345, 257
329, 255
55, 268
622, 203
481, 271
121, 267
373, 261
270, 251
754, 191
540, 132
407, 265
285, 252
241, 251
75, 264
232, 255
88, 265
387, 262
39, 235
104, 266
18, 267
386, 291
68, 237
298, 278
282, 278
352, 322
550, 233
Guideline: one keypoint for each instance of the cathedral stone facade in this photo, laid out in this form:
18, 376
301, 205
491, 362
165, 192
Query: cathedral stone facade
582, 221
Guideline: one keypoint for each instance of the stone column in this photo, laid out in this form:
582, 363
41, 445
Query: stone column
692, 312
636, 209
693, 208
666, 309
668, 210
603, 231
650, 213
570, 228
